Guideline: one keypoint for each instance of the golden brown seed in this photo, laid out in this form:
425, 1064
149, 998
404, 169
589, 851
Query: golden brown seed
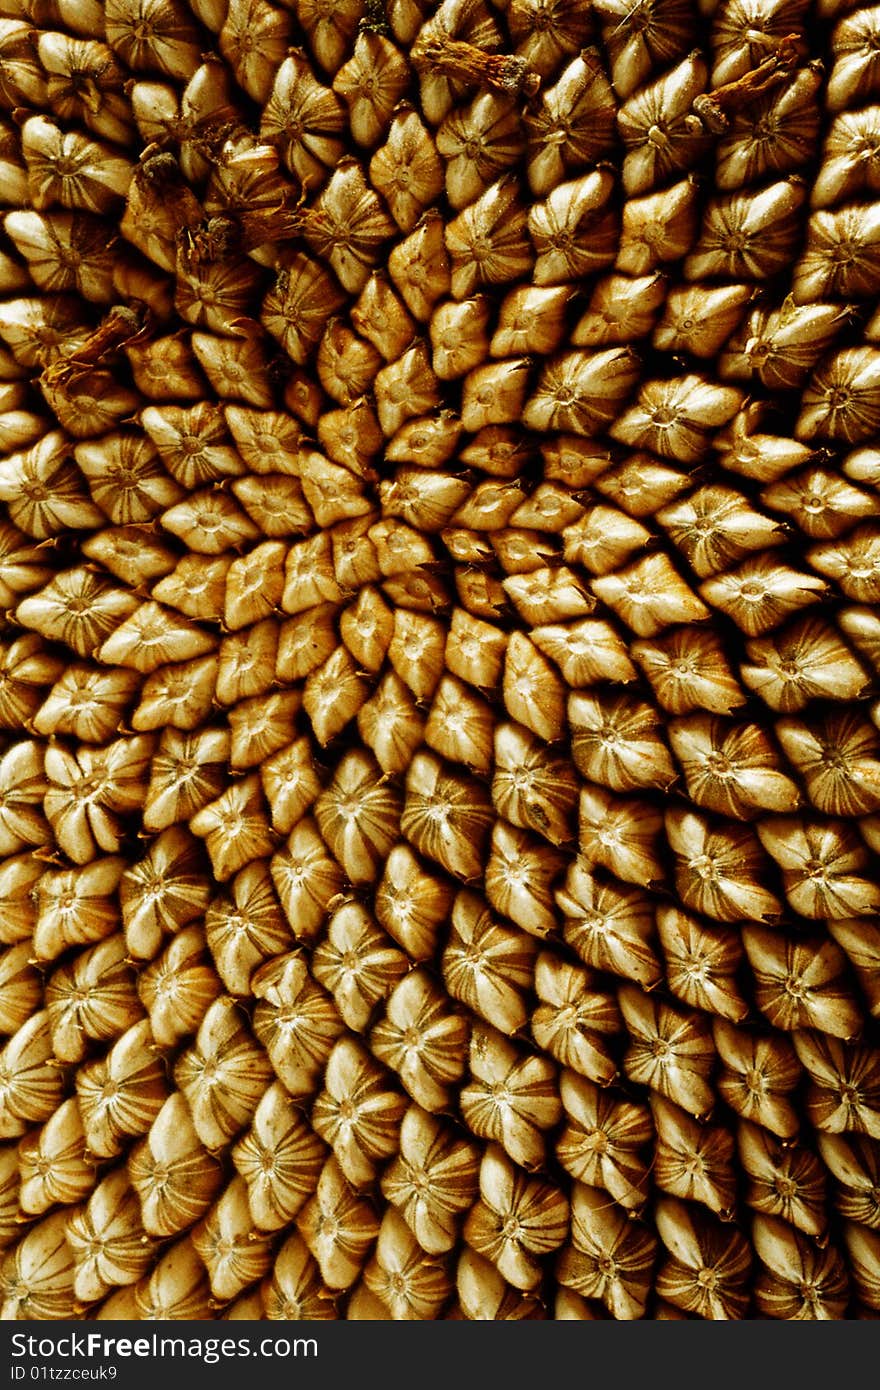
406, 388
546, 31
306, 878
843, 1095
615, 742
760, 594
261, 726
757, 1075
178, 987
366, 627
52, 1162
519, 875
246, 927
223, 1075
357, 963
411, 903
296, 1020
802, 984
289, 783
707, 1265
296, 1290
821, 503
573, 1020
154, 636
187, 771
847, 167
358, 815
74, 906
530, 788
234, 1254
620, 834
357, 1112
798, 1281
173, 1175
669, 1050
45, 495
488, 242
581, 391
702, 318
295, 310
432, 1210
31, 1081
603, 1140
649, 595
512, 1098
237, 368
532, 690
21, 987
488, 966
840, 257
348, 226
784, 1181
334, 694
402, 1278
92, 998
702, 964
458, 336
694, 1161
351, 436
852, 1162
660, 138
380, 316
775, 131
120, 1095
345, 363
196, 586
85, 702
338, 1226
460, 725
422, 1040
89, 792
747, 236
781, 346
423, 498
837, 758
804, 660
67, 170
109, 1244
851, 562
610, 1256
371, 83
407, 170
36, 1277
587, 652
857, 938
720, 871
731, 768
235, 827
657, 228
571, 124
484, 1295
516, 1220
446, 816
391, 725
823, 865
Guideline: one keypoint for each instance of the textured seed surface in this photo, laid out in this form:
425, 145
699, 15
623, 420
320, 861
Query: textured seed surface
439, 647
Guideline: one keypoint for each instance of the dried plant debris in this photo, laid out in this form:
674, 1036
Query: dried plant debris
439, 659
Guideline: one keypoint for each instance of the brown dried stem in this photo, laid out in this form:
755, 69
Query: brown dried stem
714, 109
504, 72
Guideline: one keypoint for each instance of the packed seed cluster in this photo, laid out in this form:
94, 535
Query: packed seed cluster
440, 564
